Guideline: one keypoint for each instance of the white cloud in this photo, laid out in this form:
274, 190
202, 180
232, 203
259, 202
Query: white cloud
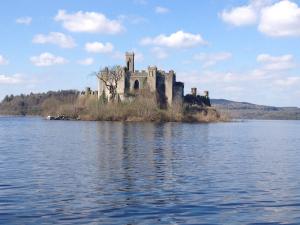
47, 59
56, 38
179, 39
3, 60
90, 22
281, 19
269, 62
13, 79
286, 82
246, 14
161, 10
240, 16
270, 82
159, 53
24, 20
213, 58
86, 62
98, 47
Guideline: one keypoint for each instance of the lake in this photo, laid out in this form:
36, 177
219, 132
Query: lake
74, 172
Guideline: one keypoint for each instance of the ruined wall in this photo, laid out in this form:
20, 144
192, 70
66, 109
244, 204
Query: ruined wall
102, 87
178, 92
169, 83
152, 76
121, 86
138, 80
195, 99
129, 57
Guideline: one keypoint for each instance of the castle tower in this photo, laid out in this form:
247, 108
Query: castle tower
169, 84
152, 76
130, 61
206, 94
194, 91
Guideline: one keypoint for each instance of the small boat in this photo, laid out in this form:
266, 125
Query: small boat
61, 117
50, 118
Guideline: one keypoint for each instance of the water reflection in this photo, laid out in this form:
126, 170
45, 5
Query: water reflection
147, 173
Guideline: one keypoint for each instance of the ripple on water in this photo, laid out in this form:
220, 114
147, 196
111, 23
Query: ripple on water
143, 173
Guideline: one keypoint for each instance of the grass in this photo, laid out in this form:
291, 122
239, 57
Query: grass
144, 108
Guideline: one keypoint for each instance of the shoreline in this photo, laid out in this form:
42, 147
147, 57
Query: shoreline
138, 120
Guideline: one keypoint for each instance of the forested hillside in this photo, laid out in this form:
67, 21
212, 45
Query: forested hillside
36, 104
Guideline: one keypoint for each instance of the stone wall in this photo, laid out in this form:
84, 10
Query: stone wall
170, 79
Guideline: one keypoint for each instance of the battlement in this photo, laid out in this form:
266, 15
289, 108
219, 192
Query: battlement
138, 73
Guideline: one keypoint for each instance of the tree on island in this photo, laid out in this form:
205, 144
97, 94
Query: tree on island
110, 79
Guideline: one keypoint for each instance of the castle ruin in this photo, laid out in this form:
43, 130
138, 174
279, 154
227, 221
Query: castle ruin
159, 82
162, 83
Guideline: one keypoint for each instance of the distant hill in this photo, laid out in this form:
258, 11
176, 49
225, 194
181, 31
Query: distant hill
245, 110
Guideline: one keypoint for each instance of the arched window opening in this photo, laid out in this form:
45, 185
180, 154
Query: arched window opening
136, 85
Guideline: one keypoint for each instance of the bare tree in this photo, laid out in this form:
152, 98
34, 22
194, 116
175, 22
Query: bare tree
110, 79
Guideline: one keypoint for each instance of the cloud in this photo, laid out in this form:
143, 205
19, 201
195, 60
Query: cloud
47, 59
269, 62
161, 10
281, 19
89, 22
98, 47
3, 60
213, 58
86, 62
24, 20
159, 53
12, 79
179, 39
271, 81
56, 38
240, 16
245, 15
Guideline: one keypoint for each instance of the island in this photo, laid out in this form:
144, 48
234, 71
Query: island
124, 94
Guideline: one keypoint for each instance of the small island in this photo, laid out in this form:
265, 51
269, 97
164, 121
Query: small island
127, 94
124, 94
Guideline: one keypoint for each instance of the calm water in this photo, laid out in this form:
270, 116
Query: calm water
57, 172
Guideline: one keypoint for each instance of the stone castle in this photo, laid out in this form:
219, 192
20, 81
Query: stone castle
160, 82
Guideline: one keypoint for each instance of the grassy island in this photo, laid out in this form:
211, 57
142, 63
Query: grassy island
143, 107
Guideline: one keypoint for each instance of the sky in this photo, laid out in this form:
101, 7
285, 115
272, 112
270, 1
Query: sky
242, 50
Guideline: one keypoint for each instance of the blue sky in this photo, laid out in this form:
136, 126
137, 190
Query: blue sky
244, 50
